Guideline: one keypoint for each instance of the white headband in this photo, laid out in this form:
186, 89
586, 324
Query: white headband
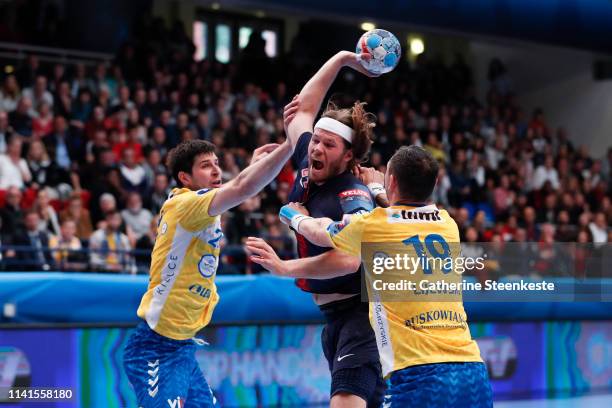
336, 127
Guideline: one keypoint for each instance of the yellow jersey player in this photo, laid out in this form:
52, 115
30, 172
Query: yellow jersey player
425, 347
159, 357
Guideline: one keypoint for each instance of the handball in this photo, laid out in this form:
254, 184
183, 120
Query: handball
384, 48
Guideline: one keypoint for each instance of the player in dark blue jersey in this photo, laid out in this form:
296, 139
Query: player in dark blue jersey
338, 194
326, 153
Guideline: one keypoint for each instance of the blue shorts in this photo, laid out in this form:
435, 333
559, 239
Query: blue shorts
164, 372
441, 385
349, 345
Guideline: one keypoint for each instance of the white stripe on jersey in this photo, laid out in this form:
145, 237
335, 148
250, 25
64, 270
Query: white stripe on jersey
169, 274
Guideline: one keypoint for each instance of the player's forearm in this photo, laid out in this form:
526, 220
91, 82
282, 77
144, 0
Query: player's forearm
315, 231
328, 265
312, 94
259, 174
251, 180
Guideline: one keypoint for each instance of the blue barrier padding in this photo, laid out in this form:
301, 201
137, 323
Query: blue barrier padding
105, 298
95, 298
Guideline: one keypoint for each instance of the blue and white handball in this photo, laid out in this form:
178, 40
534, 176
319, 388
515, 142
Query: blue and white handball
384, 48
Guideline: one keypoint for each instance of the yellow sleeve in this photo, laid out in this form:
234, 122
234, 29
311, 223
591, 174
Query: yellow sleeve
347, 236
194, 209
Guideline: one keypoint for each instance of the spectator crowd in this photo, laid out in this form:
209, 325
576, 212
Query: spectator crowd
83, 148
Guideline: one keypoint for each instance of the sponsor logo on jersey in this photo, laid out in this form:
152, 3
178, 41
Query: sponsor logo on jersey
350, 194
178, 402
436, 315
168, 274
207, 265
200, 290
203, 191
408, 216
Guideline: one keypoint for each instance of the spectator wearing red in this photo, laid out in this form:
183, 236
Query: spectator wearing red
538, 123
529, 224
503, 196
42, 124
129, 141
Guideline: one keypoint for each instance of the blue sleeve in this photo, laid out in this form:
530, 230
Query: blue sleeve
356, 199
301, 150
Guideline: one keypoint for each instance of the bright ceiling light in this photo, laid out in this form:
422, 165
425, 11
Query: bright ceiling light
417, 46
367, 26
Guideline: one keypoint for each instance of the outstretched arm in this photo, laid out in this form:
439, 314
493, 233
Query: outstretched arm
252, 179
328, 265
312, 94
266, 163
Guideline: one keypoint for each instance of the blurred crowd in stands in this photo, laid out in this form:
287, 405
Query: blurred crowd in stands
82, 152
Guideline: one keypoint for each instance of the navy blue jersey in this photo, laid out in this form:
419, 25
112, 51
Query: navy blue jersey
342, 194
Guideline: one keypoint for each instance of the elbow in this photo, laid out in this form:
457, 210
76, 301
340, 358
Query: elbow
307, 105
352, 263
322, 240
313, 236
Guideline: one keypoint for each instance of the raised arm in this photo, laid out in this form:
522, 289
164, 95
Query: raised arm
312, 94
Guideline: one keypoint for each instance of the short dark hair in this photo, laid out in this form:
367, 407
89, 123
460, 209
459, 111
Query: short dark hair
416, 172
181, 158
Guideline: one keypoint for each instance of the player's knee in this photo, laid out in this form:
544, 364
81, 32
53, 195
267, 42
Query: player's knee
345, 400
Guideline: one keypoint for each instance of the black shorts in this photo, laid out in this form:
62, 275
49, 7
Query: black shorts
350, 348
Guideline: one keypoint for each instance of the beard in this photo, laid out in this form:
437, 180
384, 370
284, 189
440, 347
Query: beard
331, 170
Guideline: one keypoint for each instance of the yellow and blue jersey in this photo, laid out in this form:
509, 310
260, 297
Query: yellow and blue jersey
182, 294
401, 342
